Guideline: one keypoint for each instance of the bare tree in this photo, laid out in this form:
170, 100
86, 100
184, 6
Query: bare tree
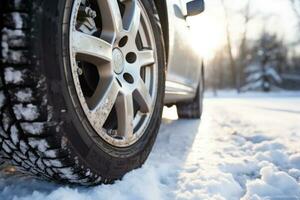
295, 4
239, 63
295, 58
243, 48
233, 65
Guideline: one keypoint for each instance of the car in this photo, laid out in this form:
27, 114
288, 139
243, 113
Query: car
84, 83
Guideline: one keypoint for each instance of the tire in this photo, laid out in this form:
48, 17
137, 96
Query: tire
193, 109
44, 130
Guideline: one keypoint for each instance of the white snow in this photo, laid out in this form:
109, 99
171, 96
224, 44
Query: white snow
273, 184
27, 112
252, 94
274, 74
6, 148
50, 153
295, 160
5, 48
17, 20
24, 147
41, 145
35, 128
13, 76
13, 38
14, 134
243, 148
55, 163
24, 95
16, 57
67, 172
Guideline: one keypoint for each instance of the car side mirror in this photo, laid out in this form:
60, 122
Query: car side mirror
195, 7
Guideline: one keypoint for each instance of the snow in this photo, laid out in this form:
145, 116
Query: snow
14, 134
24, 147
27, 112
244, 148
295, 160
41, 145
13, 76
24, 95
252, 94
55, 163
35, 128
6, 148
17, 20
50, 153
13, 38
273, 184
272, 73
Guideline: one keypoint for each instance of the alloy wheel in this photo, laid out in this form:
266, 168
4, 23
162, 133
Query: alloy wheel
113, 60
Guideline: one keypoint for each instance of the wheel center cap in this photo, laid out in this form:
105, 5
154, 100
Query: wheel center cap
118, 61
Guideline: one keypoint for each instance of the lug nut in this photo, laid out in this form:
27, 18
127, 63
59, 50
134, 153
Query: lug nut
79, 71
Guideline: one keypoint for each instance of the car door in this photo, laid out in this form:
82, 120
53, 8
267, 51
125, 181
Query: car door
184, 64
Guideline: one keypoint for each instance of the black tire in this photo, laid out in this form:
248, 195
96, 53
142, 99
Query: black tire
42, 132
194, 108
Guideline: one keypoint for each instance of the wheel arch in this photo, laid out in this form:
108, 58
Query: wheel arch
162, 10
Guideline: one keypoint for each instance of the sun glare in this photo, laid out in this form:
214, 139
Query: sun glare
209, 28
208, 34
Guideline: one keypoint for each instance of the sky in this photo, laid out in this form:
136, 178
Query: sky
272, 15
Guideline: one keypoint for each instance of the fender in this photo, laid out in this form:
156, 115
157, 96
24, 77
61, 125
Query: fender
162, 10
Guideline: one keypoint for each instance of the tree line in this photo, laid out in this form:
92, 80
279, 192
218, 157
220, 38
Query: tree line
262, 64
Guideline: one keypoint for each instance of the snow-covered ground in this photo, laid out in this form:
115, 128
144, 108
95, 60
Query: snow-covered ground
245, 148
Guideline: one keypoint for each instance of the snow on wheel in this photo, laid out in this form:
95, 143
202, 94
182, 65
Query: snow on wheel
83, 87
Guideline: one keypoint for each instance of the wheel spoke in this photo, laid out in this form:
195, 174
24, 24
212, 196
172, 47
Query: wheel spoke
146, 57
142, 96
125, 115
90, 48
103, 100
111, 19
132, 17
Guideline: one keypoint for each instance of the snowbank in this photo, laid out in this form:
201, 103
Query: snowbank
251, 94
242, 149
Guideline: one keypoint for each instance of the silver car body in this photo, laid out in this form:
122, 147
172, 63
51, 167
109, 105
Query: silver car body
183, 63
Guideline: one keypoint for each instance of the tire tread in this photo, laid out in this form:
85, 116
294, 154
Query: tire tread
30, 143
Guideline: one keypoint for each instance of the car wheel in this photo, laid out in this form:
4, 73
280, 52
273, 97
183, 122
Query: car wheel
82, 87
194, 108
